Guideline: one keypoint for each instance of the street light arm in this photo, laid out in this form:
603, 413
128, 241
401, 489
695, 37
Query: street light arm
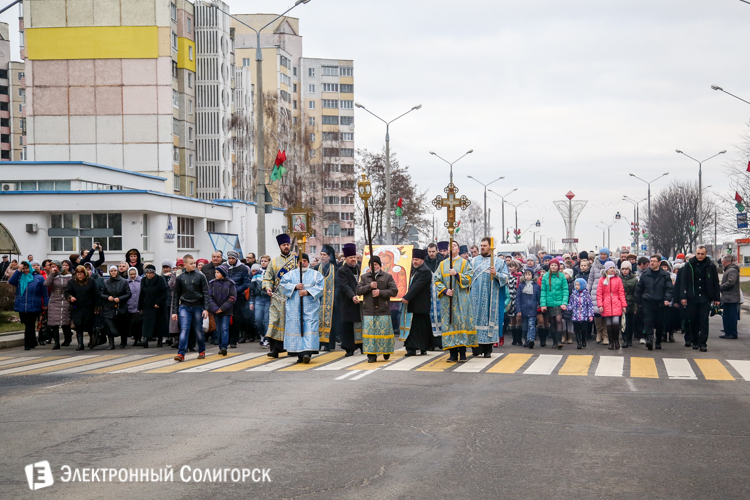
736, 97
211, 4
498, 179
685, 154
412, 109
662, 175
446, 161
642, 180
714, 156
283, 14
456, 161
373, 114
472, 178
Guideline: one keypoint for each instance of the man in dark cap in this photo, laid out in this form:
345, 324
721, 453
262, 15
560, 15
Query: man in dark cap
330, 305
443, 249
275, 271
347, 278
416, 327
463, 252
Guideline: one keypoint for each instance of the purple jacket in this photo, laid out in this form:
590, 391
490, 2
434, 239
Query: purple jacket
222, 294
581, 305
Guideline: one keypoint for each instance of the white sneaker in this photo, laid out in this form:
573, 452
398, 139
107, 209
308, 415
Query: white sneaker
643, 341
264, 345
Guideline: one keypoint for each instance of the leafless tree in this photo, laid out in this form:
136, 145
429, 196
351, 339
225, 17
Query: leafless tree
739, 182
472, 225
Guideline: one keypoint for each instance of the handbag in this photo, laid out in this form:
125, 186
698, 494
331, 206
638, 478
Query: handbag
211, 324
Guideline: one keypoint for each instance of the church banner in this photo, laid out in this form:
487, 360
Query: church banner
396, 261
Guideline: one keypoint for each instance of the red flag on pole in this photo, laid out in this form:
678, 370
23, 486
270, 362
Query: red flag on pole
737, 197
748, 166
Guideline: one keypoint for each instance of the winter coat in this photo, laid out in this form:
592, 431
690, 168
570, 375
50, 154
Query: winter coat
154, 292
419, 293
81, 261
582, 275
87, 299
209, 270
241, 277
138, 264
58, 309
654, 286
34, 297
730, 285
527, 304
595, 272
581, 306
119, 289
629, 283
387, 287
174, 325
567, 314
135, 293
692, 273
190, 289
554, 290
611, 297
513, 281
222, 294
346, 284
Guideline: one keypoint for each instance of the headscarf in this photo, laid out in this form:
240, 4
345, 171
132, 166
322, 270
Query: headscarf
116, 269
25, 279
136, 273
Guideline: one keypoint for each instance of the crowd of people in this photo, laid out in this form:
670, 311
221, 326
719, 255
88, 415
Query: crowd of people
458, 297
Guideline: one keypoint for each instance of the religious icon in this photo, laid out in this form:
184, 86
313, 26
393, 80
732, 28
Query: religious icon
300, 226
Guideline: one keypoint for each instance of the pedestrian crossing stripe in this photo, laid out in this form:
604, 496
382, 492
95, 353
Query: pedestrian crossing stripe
500, 363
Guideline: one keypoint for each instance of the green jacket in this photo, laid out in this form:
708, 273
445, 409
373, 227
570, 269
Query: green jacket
628, 284
556, 293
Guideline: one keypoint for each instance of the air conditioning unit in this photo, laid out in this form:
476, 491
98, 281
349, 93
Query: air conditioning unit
32, 228
10, 186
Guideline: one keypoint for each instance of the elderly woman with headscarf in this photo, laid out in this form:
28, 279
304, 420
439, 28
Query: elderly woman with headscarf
58, 310
135, 318
114, 294
152, 302
83, 294
31, 299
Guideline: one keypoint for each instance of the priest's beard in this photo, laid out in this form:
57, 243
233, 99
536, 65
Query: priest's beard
304, 269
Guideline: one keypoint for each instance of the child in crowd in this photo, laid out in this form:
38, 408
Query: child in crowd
527, 302
222, 295
567, 329
514, 323
582, 311
610, 299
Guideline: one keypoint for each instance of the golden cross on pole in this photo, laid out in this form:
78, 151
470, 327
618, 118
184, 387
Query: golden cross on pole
451, 202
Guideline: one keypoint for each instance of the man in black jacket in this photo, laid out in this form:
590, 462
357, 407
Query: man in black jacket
699, 289
238, 272
417, 300
114, 294
190, 305
433, 258
347, 278
209, 270
653, 293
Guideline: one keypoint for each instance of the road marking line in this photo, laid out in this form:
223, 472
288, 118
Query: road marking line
366, 365
59, 361
138, 362
279, 363
19, 361
576, 365
610, 366
476, 365
184, 365
742, 367
343, 363
223, 362
5, 357
347, 374
643, 368
72, 363
100, 364
244, 365
166, 360
679, 369
713, 369
510, 363
406, 364
545, 364
364, 374
438, 364
315, 361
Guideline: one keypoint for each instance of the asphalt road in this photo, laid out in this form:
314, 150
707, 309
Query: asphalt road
392, 434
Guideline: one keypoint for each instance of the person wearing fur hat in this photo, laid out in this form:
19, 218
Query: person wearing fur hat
629, 282
554, 300
610, 299
594, 275
302, 288
276, 270
581, 310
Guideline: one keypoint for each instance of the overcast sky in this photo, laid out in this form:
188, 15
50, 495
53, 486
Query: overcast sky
555, 96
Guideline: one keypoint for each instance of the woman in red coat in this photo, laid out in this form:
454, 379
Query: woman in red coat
610, 298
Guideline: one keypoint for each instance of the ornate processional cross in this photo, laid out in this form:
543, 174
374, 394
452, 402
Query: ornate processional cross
451, 202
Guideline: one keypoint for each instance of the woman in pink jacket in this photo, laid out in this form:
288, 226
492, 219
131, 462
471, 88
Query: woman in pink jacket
610, 298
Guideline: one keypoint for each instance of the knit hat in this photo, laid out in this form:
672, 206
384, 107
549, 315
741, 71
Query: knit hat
57, 263
149, 267
553, 261
583, 255
166, 263
626, 265
605, 250
233, 254
547, 258
566, 256
205, 261
568, 273
180, 262
531, 257
256, 267
581, 283
680, 256
113, 267
376, 259
223, 269
609, 264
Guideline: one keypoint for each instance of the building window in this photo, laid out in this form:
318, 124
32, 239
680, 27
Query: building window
192, 188
347, 231
347, 88
347, 104
312, 153
330, 152
311, 121
347, 200
190, 106
330, 136
102, 221
312, 137
330, 87
173, 11
210, 226
185, 233
175, 127
174, 41
311, 72
347, 215
175, 99
174, 70
330, 103
21, 76
330, 200
347, 71
176, 182
284, 61
347, 136
294, 88
347, 120
190, 80
245, 62
175, 154
347, 152
331, 120
330, 71
191, 162
294, 104
311, 89
145, 232
294, 71
190, 134
311, 104
190, 52
67, 243
190, 24
285, 79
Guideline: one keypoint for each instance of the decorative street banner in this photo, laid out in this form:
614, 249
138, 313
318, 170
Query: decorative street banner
396, 261
742, 221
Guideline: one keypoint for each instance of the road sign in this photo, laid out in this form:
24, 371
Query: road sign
644, 247
570, 240
742, 221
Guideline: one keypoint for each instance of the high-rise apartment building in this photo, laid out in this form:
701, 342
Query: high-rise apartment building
17, 79
5, 90
184, 111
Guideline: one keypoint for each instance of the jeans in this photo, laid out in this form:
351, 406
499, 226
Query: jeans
222, 329
730, 317
528, 326
190, 315
262, 310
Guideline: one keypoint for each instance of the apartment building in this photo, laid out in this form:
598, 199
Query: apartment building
17, 108
5, 91
184, 111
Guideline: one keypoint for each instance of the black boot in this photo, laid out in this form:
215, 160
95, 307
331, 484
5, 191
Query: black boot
79, 339
671, 337
578, 339
553, 334
159, 342
518, 335
111, 343
56, 338
143, 343
67, 334
649, 341
558, 335
542, 337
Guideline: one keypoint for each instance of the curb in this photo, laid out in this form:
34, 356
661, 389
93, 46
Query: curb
11, 339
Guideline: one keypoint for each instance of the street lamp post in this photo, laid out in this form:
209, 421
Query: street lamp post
715, 87
636, 219
486, 230
387, 166
650, 247
453, 162
604, 232
700, 189
515, 207
503, 209
609, 240
260, 187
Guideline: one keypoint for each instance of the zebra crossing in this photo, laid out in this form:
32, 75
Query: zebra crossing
356, 367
